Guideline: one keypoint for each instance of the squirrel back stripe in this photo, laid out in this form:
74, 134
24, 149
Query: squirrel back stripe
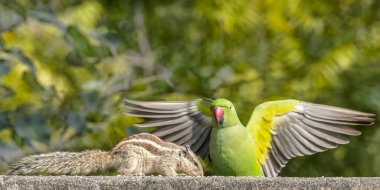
153, 139
148, 145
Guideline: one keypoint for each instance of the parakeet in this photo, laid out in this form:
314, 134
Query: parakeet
276, 132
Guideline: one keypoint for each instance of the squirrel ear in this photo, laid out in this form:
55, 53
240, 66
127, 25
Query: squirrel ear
184, 150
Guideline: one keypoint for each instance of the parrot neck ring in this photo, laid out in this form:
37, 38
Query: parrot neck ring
218, 114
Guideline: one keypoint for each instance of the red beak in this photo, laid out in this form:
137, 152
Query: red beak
218, 115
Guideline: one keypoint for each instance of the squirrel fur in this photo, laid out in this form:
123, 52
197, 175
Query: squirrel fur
136, 155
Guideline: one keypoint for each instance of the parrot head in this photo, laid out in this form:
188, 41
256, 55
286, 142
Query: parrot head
224, 114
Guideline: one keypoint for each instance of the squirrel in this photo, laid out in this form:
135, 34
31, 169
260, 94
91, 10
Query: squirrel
135, 155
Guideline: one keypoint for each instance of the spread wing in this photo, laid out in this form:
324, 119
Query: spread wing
183, 123
290, 128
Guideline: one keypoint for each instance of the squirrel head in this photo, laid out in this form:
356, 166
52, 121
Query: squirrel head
189, 162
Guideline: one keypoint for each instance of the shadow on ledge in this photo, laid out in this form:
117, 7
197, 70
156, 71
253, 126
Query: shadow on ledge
158, 182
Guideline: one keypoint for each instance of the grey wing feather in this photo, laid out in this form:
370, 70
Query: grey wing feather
178, 122
309, 129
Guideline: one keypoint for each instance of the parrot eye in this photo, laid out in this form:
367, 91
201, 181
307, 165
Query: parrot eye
230, 107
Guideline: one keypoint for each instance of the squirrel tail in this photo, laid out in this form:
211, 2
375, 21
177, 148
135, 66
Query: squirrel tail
59, 163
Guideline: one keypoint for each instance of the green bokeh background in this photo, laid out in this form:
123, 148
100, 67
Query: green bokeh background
65, 67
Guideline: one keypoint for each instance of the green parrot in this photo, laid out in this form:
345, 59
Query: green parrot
276, 132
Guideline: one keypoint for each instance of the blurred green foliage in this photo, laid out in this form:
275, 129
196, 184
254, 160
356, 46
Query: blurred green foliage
65, 67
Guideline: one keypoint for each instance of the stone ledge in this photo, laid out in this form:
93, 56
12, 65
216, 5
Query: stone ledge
158, 182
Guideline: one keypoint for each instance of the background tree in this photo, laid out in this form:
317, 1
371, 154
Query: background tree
65, 67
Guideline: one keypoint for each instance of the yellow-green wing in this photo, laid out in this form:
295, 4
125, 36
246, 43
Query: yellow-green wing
289, 128
182, 122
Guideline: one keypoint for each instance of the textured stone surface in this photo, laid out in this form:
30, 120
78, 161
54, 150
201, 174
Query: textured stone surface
157, 182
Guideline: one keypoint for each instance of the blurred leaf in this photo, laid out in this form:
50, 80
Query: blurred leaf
111, 40
95, 117
4, 67
5, 135
6, 92
30, 124
4, 122
9, 19
92, 101
1, 41
14, 6
18, 140
83, 52
75, 121
32, 81
48, 18
19, 55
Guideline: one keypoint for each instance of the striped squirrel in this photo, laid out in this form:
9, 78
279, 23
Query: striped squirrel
136, 155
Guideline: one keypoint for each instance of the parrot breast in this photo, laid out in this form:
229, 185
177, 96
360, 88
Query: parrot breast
232, 152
